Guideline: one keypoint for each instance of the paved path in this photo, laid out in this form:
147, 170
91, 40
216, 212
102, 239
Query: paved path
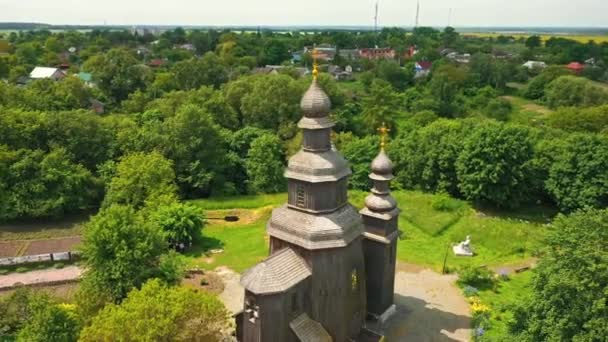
429, 308
429, 305
40, 276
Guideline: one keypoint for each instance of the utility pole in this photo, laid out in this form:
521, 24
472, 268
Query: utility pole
417, 13
376, 24
450, 17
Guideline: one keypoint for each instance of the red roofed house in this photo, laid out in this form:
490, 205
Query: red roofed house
377, 53
575, 67
422, 68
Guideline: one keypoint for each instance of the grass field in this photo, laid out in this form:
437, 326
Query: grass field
527, 112
498, 238
578, 38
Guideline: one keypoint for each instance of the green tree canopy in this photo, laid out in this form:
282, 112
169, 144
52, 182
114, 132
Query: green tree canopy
493, 166
141, 177
578, 177
570, 283
121, 250
265, 164
160, 313
182, 223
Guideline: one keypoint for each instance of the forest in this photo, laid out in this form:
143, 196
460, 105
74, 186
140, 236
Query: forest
194, 114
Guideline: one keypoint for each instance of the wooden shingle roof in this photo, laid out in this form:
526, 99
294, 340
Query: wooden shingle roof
277, 273
309, 330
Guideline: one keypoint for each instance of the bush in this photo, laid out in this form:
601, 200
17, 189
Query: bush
22, 269
59, 265
447, 203
4, 271
498, 109
479, 277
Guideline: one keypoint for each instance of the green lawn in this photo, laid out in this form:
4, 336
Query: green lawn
527, 112
498, 239
507, 293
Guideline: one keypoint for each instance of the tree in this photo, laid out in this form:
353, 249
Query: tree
572, 119
160, 313
121, 250
141, 177
382, 105
536, 88
194, 73
574, 91
275, 52
445, 84
578, 178
570, 283
51, 322
118, 73
498, 109
196, 147
493, 165
265, 165
272, 101
426, 159
360, 152
35, 184
182, 223
533, 42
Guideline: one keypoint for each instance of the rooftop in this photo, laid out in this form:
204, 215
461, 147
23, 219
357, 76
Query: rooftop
277, 273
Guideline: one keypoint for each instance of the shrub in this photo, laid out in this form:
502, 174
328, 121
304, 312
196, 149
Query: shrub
447, 203
59, 265
22, 269
4, 271
479, 277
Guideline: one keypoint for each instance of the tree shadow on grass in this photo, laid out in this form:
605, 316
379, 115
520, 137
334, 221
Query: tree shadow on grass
416, 320
203, 246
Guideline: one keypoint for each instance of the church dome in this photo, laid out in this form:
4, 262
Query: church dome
315, 103
382, 165
380, 203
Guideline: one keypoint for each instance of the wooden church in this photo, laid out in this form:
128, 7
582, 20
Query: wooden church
331, 268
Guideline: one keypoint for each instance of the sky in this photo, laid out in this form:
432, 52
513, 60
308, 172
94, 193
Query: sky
537, 13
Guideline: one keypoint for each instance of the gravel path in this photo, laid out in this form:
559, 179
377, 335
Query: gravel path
40, 276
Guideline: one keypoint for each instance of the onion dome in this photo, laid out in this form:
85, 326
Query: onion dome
380, 203
382, 167
315, 103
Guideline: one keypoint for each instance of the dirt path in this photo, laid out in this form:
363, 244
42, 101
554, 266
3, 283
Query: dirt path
40, 276
233, 293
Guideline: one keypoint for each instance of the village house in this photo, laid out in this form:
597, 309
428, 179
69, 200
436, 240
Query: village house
534, 65
575, 67
422, 68
377, 53
325, 52
274, 70
46, 72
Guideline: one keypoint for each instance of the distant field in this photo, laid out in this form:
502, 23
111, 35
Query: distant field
579, 38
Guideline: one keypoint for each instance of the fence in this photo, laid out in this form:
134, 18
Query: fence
48, 257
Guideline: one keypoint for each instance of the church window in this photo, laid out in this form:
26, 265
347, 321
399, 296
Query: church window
300, 195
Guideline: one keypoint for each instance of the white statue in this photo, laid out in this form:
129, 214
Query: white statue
463, 248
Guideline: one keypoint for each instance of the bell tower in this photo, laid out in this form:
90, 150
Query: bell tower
380, 218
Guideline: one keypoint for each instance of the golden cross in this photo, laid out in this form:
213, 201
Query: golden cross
315, 65
383, 133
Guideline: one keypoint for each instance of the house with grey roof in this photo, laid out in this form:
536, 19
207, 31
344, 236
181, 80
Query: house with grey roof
331, 268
